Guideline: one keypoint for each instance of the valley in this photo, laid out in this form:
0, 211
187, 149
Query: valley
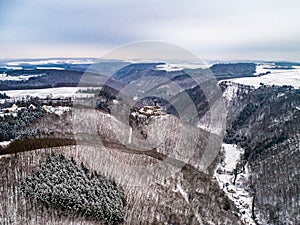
234, 162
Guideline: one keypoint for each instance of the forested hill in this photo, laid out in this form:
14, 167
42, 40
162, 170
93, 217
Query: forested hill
32, 78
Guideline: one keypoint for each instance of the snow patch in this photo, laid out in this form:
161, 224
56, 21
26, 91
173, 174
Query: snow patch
280, 95
232, 156
263, 68
63, 92
230, 92
183, 193
56, 110
13, 67
4, 143
130, 135
115, 101
168, 67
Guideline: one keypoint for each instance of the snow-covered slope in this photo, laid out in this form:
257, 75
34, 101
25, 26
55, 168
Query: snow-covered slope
43, 93
236, 188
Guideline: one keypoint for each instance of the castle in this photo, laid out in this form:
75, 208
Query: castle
149, 111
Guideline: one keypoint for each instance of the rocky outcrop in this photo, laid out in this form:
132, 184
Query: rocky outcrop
164, 134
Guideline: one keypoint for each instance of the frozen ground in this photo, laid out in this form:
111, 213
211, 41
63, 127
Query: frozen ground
62, 92
237, 192
276, 77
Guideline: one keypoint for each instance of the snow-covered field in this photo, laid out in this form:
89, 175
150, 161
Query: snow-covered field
237, 192
12, 67
51, 61
5, 77
61, 92
277, 77
49, 68
43, 63
169, 67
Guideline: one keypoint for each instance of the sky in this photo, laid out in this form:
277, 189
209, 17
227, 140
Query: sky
212, 29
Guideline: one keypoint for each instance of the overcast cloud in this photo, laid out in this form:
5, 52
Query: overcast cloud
213, 29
